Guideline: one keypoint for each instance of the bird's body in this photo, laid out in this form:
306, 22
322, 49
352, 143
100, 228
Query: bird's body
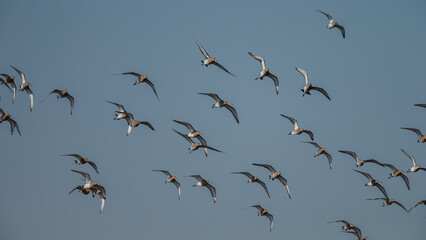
131, 122
7, 117
194, 146
63, 94
9, 80
141, 79
81, 160
25, 86
360, 162
389, 201
415, 166
398, 173
254, 179
373, 182
320, 151
333, 24
194, 134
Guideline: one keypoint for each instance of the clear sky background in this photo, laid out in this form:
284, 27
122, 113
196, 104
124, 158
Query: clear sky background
373, 77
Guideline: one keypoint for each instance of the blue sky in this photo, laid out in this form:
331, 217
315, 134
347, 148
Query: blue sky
373, 77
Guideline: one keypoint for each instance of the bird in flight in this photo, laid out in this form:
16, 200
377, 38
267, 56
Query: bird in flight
397, 173
141, 79
321, 150
372, 182
63, 94
360, 162
194, 134
220, 103
205, 183
264, 212
308, 87
25, 86
82, 160
265, 71
210, 60
415, 166
296, 129
333, 24
170, 179
7, 117
422, 138
254, 179
194, 146
275, 175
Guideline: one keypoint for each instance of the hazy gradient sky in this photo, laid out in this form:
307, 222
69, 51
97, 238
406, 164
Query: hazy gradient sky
373, 77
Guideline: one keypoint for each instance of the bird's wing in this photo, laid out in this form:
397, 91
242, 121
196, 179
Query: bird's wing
304, 73
258, 207
417, 131
284, 181
271, 219
31, 95
130, 73
85, 175
184, 136
1, 112
204, 146
198, 177
71, 98
321, 90
148, 124
423, 202
292, 120
153, 88
399, 204
120, 107
311, 135
410, 156
202, 50
405, 178
14, 91
74, 155
259, 58
212, 191
244, 173
13, 125
4, 82
374, 161
177, 184
342, 29
163, 171
76, 188
365, 174
222, 67
390, 166
93, 166
382, 189
187, 125
342, 221
326, 14
264, 186
330, 160
276, 82
313, 143
350, 153
21, 74
212, 95
420, 105
269, 167
233, 111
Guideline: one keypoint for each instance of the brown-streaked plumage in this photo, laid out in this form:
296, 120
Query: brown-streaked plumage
10, 80
275, 175
7, 117
170, 179
63, 94
397, 173
389, 201
220, 103
308, 87
194, 146
91, 186
210, 60
264, 212
415, 166
194, 133
423, 202
357, 233
25, 86
422, 138
254, 179
296, 129
141, 79
333, 24
321, 150
265, 72
372, 182
81, 160
360, 162
205, 183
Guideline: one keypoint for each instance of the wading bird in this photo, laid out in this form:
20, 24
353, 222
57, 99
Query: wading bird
275, 175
